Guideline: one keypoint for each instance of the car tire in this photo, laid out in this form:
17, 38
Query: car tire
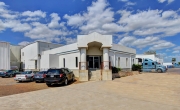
31, 79
73, 78
36, 81
10, 75
49, 85
159, 71
2, 76
66, 82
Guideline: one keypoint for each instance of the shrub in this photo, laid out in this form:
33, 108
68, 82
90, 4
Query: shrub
115, 70
136, 67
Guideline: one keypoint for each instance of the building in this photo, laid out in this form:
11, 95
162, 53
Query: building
15, 57
90, 58
157, 58
31, 54
4, 55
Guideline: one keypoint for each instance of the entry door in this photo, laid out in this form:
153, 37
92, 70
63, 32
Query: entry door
94, 62
91, 62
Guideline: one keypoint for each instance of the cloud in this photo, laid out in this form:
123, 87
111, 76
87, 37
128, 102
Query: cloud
128, 3
162, 45
42, 31
94, 19
24, 43
154, 42
162, 1
150, 22
176, 51
177, 48
37, 13
55, 21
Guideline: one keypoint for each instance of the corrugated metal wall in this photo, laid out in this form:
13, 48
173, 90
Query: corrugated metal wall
4, 55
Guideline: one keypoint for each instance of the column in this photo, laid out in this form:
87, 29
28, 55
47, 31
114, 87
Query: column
83, 58
106, 58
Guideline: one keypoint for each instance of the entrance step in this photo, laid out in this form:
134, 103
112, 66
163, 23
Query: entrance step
94, 75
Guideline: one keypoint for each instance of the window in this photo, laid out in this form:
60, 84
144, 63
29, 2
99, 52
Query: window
64, 62
146, 64
119, 62
133, 61
76, 61
126, 62
146, 60
22, 53
152, 63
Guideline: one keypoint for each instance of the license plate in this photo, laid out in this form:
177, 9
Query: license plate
37, 76
52, 76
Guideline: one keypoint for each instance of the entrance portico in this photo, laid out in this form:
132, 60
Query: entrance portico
94, 53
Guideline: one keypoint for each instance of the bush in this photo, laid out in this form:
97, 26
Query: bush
115, 70
136, 67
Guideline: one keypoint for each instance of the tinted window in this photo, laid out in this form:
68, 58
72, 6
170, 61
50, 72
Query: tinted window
146, 60
10, 71
54, 71
27, 72
66, 71
69, 70
146, 64
41, 72
152, 63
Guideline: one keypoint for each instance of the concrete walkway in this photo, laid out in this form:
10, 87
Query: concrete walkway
138, 92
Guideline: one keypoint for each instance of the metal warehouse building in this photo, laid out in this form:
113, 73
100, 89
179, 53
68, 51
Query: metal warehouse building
4, 55
90, 58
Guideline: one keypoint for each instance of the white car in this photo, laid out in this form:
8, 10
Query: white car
25, 76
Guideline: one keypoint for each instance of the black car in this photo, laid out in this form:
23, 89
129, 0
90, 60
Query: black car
59, 76
39, 77
9, 73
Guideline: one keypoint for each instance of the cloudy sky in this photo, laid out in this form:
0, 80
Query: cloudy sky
140, 24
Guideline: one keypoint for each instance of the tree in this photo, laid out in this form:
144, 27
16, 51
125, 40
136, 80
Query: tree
179, 63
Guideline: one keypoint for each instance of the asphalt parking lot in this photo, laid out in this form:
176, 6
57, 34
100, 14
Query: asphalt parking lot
147, 91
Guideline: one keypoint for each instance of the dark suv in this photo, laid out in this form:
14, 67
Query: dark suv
59, 76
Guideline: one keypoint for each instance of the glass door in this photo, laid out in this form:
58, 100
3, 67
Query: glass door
94, 62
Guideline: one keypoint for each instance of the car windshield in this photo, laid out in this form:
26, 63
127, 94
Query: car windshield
54, 71
27, 72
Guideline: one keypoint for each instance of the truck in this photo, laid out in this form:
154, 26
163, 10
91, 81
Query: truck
149, 65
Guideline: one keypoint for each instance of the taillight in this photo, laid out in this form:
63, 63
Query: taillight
15, 76
61, 75
44, 75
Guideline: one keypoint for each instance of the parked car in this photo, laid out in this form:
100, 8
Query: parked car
59, 76
25, 76
39, 77
8, 73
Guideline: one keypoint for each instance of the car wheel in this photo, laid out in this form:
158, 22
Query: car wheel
2, 76
66, 82
31, 79
36, 81
49, 85
10, 76
73, 78
159, 71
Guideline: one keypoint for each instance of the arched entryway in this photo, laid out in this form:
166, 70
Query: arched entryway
94, 55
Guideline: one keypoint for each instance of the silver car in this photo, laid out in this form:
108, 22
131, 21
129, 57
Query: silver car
25, 76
